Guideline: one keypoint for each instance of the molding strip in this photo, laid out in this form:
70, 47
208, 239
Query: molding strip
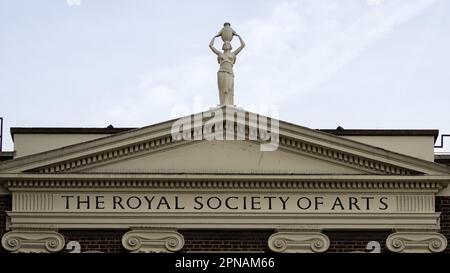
62, 220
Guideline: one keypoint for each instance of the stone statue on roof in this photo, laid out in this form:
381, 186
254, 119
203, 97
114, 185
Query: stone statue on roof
226, 59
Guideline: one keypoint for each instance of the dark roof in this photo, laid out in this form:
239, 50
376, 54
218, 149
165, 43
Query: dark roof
67, 130
6, 156
381, 132
442, 159
111, 130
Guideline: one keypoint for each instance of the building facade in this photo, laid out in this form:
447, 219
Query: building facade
150, 190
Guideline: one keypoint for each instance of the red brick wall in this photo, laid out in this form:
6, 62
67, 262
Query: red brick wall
349, 241
226, 240
195, 240
5, 205
443, 205
109, 241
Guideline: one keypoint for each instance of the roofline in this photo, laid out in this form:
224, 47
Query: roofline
68, 130
442, 159
6, 156
339, 132
383, 132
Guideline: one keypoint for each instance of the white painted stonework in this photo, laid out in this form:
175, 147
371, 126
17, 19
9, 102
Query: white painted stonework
416, 242
152, 240
298, 242
144, 178
33, 241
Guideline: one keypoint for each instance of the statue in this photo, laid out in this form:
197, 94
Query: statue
225, 75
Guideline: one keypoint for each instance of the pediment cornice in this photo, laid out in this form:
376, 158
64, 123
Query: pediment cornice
224, 181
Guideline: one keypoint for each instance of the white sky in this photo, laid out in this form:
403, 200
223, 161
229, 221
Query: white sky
377, 64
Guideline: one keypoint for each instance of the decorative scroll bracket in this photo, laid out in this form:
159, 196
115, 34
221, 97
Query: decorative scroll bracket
298, 242
148, 240
33, 241
416, 242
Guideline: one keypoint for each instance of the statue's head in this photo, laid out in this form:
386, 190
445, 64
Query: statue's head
226, 24
227, 46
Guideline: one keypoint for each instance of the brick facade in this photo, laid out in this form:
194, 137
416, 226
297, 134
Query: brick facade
350, 241
109, 241
5, 205
443, 205
226, 240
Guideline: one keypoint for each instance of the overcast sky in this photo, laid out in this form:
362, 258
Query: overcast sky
378, 64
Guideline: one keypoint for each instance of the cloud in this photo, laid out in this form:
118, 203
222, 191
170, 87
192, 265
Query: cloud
302, 43
290, 51
165, 92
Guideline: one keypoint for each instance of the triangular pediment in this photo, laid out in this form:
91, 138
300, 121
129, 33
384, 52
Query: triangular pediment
155, 149
223, 157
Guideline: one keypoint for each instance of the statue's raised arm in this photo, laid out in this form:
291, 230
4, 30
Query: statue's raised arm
211, 45
236, 52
